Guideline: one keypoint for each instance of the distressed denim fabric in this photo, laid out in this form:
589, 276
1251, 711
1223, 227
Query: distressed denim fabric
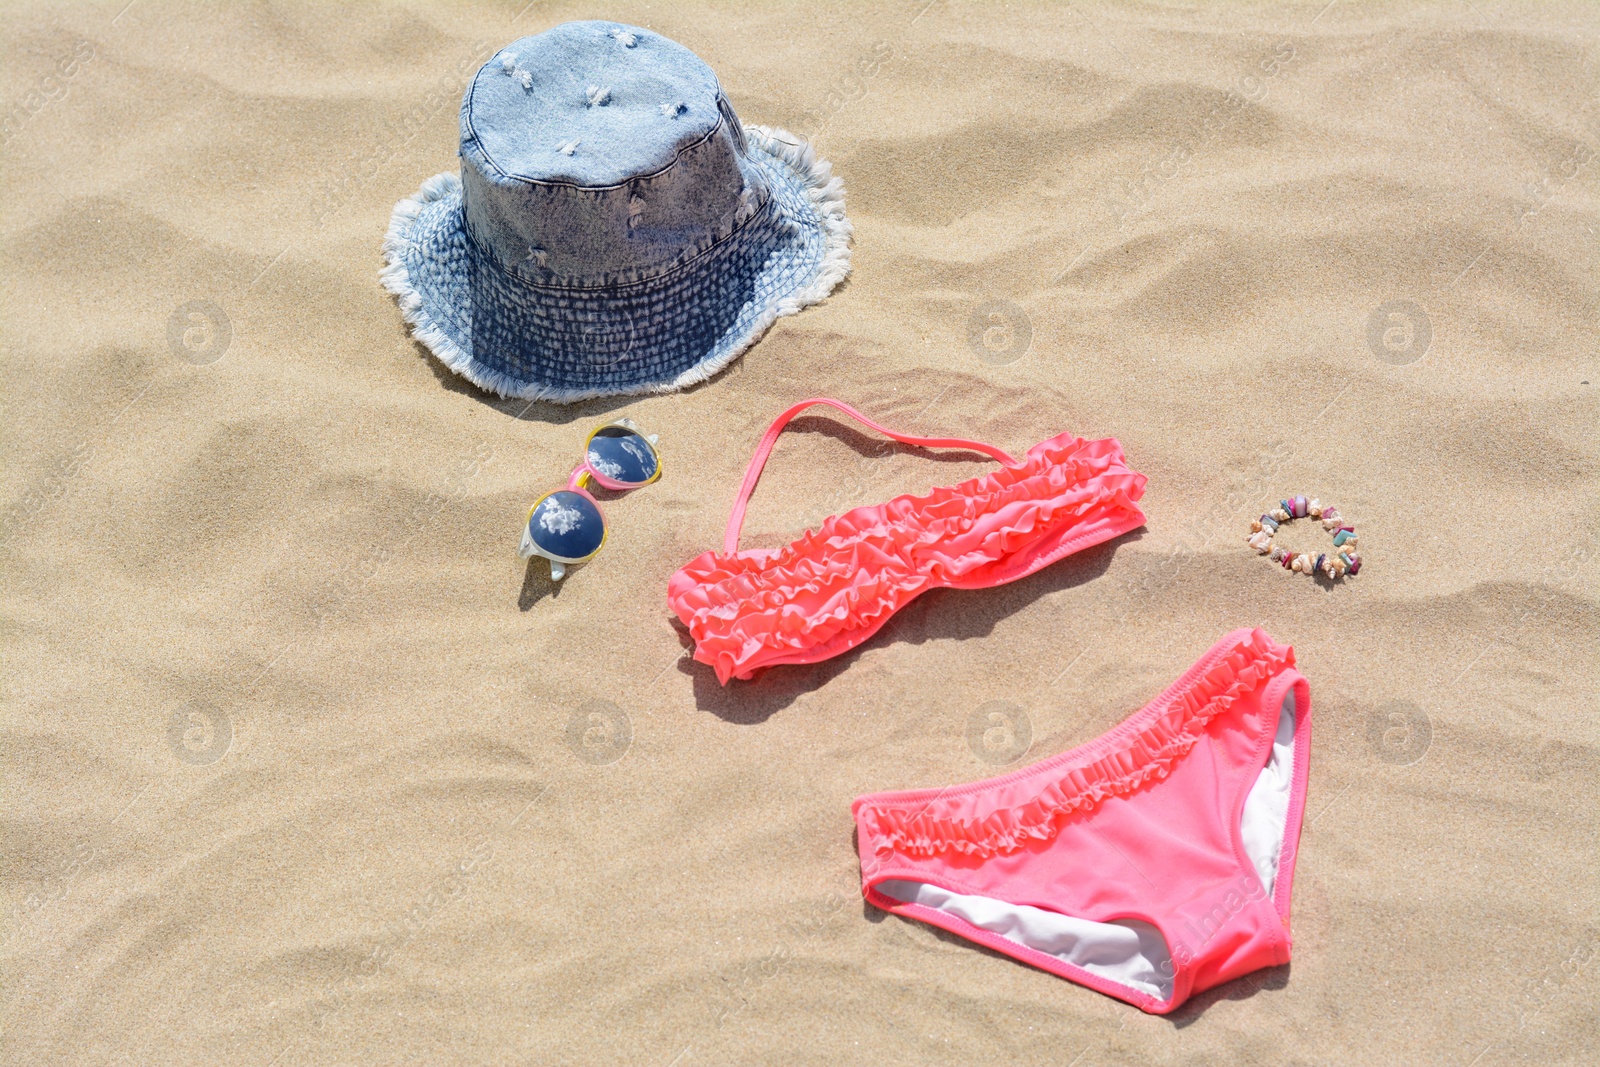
614, 229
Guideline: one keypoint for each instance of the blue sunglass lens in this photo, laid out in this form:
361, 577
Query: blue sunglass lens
622, 456
568, 525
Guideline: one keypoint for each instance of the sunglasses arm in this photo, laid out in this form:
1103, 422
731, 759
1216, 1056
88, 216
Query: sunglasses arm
558, 570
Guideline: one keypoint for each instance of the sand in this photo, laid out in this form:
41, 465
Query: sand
302, 765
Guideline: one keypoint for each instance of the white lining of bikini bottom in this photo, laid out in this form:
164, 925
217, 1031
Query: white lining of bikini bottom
1128, 952
1265, 818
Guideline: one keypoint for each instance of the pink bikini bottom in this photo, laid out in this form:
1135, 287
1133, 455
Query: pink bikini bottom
1149, 864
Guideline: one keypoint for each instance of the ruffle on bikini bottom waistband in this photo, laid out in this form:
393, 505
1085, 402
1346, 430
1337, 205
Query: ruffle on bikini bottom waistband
1147, 753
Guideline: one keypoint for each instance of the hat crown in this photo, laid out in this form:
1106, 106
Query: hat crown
598, 153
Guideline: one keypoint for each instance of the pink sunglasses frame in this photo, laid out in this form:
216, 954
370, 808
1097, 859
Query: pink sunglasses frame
580, 473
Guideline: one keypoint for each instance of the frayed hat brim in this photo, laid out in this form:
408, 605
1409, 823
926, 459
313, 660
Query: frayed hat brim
428, 269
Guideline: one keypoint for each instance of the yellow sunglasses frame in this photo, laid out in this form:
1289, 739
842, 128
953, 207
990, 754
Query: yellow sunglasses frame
580, 477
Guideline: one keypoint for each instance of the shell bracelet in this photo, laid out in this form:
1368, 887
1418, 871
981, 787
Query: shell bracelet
1341, 561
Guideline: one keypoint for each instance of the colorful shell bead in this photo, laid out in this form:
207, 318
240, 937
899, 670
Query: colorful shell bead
1336, 564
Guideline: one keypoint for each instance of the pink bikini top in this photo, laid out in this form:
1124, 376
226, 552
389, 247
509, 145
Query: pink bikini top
837, 585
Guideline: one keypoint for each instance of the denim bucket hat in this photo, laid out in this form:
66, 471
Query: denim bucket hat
614, 228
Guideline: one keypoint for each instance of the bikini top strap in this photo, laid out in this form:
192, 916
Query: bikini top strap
752, 474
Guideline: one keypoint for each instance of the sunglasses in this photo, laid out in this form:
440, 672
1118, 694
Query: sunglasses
566, 526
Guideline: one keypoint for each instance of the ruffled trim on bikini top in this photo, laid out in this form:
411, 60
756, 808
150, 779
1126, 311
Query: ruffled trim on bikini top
1030, 811
857, 568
